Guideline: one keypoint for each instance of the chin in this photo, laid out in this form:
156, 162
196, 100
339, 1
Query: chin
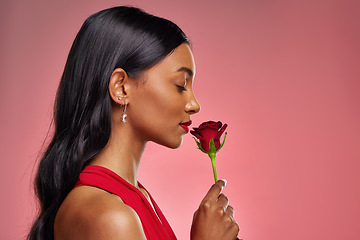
177, 146
173, 144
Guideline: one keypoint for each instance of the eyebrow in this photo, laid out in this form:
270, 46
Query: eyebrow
185, 69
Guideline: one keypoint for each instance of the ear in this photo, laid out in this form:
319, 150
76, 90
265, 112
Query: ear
118, 86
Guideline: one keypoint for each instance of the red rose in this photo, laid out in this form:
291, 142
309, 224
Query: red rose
207, 131
209, 134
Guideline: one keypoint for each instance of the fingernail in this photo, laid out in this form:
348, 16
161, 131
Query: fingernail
224, 181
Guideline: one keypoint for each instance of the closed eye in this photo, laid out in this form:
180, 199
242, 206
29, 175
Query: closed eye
182, 88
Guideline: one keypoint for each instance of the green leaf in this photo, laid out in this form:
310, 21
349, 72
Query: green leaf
212, 148
222, 142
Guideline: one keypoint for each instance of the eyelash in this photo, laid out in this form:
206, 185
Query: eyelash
182, 88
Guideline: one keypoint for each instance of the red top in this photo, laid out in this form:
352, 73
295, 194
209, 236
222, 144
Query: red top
107, 180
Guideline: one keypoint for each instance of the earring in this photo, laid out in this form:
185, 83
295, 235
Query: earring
123, 117
119, 98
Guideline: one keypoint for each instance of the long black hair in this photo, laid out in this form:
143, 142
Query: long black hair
119, 37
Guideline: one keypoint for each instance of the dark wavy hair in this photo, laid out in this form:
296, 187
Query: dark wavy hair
119, 37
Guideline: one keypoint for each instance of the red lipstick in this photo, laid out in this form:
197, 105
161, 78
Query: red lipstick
185, 125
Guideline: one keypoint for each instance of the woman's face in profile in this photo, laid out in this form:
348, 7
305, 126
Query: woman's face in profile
164, 99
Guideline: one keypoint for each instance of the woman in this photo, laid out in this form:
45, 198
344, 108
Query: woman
128, 80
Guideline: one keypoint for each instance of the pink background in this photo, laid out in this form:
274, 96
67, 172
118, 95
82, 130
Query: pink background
283, 74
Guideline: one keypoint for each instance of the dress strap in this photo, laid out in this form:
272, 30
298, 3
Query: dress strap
108, 180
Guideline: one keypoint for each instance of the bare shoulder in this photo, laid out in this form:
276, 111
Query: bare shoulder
91, 213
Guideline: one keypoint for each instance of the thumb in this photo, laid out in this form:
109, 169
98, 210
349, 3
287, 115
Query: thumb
215, 190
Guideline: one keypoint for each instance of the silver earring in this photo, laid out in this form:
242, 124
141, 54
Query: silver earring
123, 117
119, 98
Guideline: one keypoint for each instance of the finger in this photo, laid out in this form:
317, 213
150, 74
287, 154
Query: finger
230, 211
223, 201
215, 190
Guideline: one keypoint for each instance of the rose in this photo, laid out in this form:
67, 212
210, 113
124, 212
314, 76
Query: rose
209, 134
207, 131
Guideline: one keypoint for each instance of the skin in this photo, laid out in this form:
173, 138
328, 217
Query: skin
157, 102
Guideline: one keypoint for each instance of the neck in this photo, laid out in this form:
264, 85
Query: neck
122, 154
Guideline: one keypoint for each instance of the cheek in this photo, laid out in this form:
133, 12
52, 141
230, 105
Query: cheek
162, 101
156, 108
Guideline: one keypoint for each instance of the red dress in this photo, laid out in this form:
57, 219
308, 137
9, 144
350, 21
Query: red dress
107, 180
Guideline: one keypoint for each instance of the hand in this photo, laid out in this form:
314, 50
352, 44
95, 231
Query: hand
214, 219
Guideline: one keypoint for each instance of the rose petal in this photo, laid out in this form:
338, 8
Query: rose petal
221, 131
197, 134
218, 124
210, 124
209, 133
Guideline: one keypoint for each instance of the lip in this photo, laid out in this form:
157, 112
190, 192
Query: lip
185, 125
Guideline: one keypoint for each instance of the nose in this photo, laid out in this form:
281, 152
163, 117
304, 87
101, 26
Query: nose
192, 105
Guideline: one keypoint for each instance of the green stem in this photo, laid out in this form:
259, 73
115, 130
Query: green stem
213, 163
